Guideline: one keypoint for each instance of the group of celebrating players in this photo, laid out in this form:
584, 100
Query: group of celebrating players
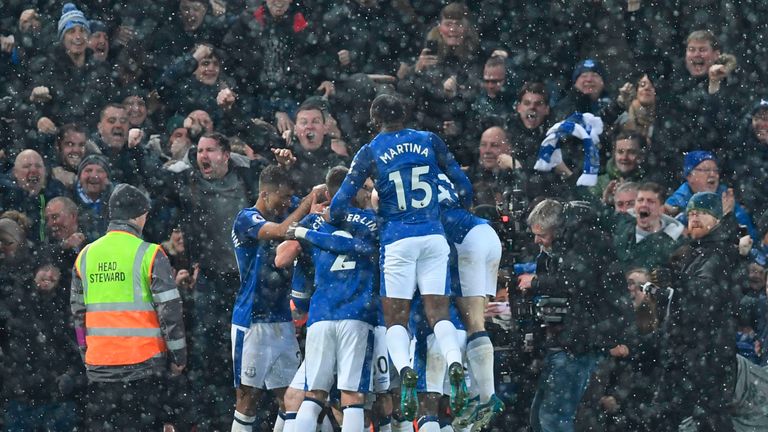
395, 271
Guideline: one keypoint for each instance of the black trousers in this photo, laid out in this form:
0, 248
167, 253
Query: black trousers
126, 406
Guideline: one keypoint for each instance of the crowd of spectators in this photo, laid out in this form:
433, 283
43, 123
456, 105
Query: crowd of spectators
671, 97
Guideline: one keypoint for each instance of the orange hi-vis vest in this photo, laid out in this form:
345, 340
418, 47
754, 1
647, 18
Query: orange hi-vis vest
121, 324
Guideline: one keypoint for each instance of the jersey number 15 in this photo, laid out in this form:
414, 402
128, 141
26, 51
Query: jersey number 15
416, 184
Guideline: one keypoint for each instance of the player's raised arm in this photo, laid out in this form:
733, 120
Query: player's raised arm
355, 179
333, 243
451, 168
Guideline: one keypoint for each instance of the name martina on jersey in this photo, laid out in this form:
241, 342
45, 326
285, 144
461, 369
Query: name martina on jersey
399, 149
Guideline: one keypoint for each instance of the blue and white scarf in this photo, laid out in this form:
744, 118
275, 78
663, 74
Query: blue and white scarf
585, 127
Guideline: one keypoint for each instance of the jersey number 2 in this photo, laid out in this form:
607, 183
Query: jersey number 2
416, 184
341, 262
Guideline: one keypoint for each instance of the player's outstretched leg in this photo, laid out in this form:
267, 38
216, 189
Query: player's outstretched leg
409, 402
459, 393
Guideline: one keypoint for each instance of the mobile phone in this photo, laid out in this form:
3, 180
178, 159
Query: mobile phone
431, 46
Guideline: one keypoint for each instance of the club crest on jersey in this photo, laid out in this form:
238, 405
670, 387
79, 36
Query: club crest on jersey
399, 149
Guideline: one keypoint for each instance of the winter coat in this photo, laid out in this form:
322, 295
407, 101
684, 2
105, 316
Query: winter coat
77, 94
126, 164
651, 252
268, 58
612, 173
41, 363
12, 197
698, 347
312, 166
578, 269
207, 209
748, 166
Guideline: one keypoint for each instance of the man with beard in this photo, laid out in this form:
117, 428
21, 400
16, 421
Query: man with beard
111, 140
70, 150
91, 193
698, 348
702, 173
28, 189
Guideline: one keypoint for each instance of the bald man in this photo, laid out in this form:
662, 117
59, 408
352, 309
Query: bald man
28, 190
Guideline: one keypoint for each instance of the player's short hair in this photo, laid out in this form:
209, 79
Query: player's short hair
387, 109
334, 178
274, 176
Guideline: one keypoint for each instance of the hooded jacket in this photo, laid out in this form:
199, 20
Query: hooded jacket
652, 251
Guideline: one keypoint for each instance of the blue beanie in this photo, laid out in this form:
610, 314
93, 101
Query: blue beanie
707, 202
71, 16
588, 65
694, 158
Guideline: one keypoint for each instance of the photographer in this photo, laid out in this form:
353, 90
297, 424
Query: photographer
573, 257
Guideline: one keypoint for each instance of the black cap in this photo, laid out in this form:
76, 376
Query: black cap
127, 202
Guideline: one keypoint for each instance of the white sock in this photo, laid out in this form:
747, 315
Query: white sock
354, 418
242, 422
279, 422
429, 424
290, 421
306, 417
445, 335
402, 426
399, 346
327, 426
480, 359
385, 424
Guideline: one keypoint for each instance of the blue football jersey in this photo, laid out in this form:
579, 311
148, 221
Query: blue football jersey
345, 267
404, 166
457, 221
264, 288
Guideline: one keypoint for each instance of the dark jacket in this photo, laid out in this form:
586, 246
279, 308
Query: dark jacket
207, 210
126, 164
698, 349
12, 197
77, 94
746, 166
651, 252
41, 363
312, 166
267, 57
578, 269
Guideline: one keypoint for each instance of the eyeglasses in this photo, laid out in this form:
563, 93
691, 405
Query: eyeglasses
707, 170
493, 81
